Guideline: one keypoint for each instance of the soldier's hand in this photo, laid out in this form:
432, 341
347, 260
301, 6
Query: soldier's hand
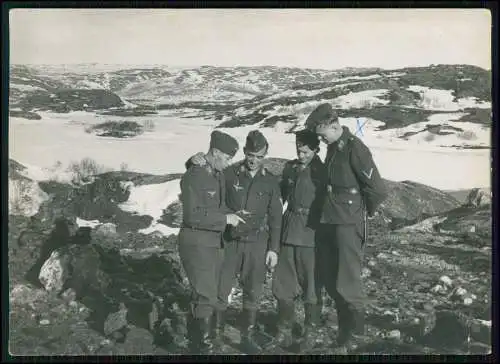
233, 219
242, 212
271, 260
198, 159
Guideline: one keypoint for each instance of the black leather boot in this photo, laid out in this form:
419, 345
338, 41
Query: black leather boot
344, 321
286, 318
205, 341
250, 346
218, 326
311, 333
352, 331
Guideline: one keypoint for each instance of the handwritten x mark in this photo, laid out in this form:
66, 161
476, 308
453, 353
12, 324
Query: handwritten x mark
360, 127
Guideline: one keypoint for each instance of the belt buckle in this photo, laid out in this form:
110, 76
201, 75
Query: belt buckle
329, 188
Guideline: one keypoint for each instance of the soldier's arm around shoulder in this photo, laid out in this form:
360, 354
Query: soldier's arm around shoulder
195, 213
373, 188
275, 210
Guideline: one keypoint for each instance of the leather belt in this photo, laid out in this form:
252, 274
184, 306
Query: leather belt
299, 210
337, 189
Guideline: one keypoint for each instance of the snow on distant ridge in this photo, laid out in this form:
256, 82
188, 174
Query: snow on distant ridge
443, 100
361, 99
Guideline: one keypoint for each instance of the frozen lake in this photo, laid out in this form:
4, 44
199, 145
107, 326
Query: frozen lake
62, 138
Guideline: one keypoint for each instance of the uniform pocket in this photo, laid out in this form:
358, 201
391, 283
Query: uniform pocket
348, 200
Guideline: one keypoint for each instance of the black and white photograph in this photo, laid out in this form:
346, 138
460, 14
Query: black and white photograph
249, 181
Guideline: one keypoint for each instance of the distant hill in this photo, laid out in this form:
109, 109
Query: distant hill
426, 104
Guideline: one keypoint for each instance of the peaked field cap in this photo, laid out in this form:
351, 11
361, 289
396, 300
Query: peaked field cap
224, 142
307, 137
322, 115
256, 141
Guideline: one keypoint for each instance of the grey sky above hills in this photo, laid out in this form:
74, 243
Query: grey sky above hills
307, 38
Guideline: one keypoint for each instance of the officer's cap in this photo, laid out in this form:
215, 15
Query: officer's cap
256, 141
224, 142
307, 137
322, 115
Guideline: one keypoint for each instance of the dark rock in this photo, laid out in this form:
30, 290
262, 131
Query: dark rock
481, 331
25, 114
116, 321
138, 341
66, 100
118, 129
59, 237
450, 329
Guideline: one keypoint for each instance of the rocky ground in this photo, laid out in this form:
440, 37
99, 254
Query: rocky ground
112, 290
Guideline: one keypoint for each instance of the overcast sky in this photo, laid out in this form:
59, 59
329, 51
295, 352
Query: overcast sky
313, 38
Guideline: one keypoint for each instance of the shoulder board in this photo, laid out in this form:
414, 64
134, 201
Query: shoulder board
196, 170
266, 172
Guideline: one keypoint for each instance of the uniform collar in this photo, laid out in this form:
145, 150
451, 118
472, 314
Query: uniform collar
209, 168
313, 161
241, 168
342, 141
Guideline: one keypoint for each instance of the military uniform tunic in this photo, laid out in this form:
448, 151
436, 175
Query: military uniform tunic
200, 237
302, 188
246, 244
354, 186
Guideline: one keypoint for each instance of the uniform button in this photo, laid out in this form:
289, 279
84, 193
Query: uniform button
349, 202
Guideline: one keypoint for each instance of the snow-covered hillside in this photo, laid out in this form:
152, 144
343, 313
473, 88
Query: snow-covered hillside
423, 117
61, 139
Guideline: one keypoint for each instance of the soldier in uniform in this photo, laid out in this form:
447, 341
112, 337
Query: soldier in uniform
204, 220
253, 193
302, 188
354, 189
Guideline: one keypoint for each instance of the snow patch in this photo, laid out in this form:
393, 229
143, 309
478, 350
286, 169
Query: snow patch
361, 99
443, 100
159, 228
87, 223
151, 200
175, 139
23, 87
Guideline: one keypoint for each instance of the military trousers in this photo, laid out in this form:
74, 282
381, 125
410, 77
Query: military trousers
248, 259
296, 273
202, 266
340, 257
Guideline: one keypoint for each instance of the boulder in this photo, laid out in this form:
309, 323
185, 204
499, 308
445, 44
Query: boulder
107, 229
138, 341
116, 320
478, 197
481, 331
55, 272
450, 329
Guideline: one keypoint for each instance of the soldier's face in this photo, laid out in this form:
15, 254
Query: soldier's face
304, 154
254, 160
221, 160
329, 134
